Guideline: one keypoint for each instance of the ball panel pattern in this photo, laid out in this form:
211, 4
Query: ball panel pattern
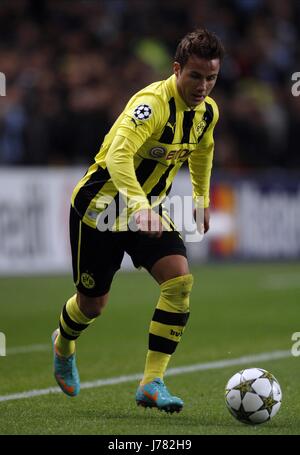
253, 396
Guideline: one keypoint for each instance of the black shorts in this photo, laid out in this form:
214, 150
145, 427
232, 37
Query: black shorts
96, 256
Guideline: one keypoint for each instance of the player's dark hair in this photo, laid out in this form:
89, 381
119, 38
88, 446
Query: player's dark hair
202, 43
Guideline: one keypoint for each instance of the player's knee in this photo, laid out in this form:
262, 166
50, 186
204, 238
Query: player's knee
175, 293
91, 307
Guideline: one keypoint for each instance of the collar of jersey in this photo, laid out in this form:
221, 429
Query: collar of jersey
179, 101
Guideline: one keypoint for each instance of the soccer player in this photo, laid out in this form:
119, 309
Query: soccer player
162, 126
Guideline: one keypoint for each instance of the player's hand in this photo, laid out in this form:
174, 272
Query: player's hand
205, 225
148, 222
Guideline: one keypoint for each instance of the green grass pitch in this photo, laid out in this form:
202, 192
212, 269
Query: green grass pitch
236, 310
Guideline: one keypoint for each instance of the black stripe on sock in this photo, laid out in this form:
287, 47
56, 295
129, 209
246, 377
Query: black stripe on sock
165, 317
70, 323
160, 344
66, 335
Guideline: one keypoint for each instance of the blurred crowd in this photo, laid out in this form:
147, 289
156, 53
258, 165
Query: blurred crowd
71, 66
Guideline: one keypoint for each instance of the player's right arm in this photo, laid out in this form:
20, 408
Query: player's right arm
131, 134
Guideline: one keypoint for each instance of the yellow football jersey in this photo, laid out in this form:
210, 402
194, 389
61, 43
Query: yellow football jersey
144, 150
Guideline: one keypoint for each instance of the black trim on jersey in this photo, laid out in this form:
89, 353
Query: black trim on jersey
89, 190
160, 344
169, 189
166, 317
168, 219
161, 184
187, 124
208, 117
144, 170
113, 210
169, 131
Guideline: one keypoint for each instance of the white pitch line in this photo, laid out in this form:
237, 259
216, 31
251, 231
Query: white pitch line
28, 349
265, 356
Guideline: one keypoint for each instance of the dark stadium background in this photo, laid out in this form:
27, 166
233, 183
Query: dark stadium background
71, 66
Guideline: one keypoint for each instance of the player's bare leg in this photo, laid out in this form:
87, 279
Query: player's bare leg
92, 307
170, 267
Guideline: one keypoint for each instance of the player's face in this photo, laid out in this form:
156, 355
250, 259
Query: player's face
196, 79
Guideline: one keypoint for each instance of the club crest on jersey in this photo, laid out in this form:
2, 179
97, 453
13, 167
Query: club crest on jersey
200, 127
142, 112
157, 152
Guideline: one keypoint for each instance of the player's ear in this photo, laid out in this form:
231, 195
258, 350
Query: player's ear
176, 68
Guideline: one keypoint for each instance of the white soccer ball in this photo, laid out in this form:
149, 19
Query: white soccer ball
253, 396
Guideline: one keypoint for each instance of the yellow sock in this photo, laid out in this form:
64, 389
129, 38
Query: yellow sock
156, 365
72, 322
167, 325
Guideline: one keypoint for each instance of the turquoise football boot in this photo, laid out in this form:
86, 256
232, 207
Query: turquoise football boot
65, 371
156, 395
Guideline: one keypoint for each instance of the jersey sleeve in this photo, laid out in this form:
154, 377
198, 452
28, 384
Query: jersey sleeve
200, 163
142, 117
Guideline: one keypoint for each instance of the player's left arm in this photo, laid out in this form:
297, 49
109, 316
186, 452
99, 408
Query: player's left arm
200, 165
